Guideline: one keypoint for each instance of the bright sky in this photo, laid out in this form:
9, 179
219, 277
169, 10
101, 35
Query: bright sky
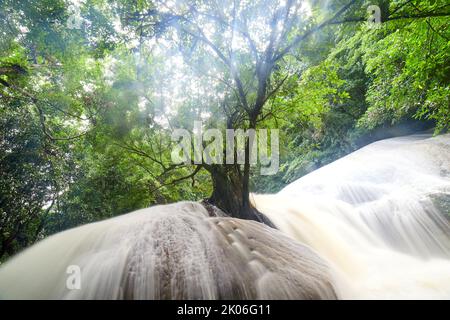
176, 77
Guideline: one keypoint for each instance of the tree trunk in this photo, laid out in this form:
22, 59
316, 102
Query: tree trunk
231, 196
6, 247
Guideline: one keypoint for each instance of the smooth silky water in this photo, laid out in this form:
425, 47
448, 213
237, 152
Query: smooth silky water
379, 216
373, 224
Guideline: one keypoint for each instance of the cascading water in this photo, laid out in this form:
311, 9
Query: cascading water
370, 225
169, 252
379, 216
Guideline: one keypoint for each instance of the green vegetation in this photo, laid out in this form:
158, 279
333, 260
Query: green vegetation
90, 92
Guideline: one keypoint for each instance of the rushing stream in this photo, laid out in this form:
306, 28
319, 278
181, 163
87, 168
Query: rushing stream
379, 216
374, 224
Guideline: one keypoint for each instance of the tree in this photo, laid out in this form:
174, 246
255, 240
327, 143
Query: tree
366, 94
87, 110
250, 42
46, 107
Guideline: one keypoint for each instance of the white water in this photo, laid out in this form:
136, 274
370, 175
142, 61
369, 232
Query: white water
361, 227
169, 252
370, 215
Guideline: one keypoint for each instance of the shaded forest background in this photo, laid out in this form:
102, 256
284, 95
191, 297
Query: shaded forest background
86, 111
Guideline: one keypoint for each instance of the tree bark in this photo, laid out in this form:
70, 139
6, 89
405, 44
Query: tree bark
230, 194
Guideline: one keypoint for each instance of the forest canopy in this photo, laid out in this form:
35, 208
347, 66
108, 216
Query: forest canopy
91, 90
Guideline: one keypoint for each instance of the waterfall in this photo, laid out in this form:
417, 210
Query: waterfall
173, 251
379, 216
373, 224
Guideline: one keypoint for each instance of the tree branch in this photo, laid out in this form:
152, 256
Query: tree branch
300, 38
175, 181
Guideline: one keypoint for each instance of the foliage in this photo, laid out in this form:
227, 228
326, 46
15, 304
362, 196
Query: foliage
86, 113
